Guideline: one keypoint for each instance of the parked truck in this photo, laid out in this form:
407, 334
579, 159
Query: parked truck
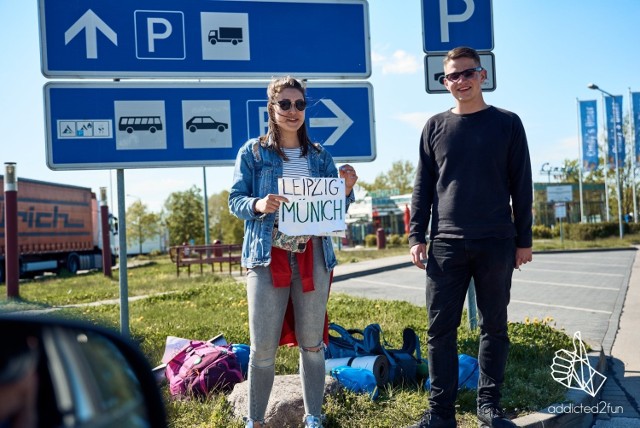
58, 227
231, 35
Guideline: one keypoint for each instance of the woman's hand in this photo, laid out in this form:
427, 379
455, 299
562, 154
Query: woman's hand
269, 204
348, 173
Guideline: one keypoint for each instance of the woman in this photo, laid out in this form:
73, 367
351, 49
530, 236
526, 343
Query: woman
275, 276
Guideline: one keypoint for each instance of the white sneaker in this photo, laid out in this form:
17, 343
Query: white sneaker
311, 421
249, 423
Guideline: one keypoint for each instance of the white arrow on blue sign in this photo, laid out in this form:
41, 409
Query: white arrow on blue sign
447, 24
222, 38
136, 125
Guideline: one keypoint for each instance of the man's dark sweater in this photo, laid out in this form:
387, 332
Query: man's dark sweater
473, 169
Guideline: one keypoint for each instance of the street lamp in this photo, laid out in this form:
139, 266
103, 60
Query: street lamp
615, 149
546, 169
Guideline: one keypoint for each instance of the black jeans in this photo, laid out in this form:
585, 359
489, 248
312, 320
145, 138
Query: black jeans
450, 266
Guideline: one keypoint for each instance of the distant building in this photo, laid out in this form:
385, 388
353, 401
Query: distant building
377, 209
593, 201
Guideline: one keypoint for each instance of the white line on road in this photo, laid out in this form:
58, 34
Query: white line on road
585, 262
563, 284
386, 284
561, 307
528, 269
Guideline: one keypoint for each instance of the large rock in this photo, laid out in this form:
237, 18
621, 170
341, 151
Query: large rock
285, 409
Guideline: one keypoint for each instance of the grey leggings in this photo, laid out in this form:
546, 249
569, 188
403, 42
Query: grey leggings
267, 306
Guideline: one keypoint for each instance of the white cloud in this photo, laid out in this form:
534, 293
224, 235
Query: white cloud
377, 58
414, 119
400, 62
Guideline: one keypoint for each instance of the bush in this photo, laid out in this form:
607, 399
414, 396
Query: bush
591, 231
542, 232
633, 227
394, 241
370, 240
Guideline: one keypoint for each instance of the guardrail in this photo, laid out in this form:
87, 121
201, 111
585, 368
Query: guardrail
188, 255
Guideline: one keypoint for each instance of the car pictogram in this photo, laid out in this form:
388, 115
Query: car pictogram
205, 122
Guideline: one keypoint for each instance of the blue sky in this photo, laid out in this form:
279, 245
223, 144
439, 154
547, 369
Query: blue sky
546, 52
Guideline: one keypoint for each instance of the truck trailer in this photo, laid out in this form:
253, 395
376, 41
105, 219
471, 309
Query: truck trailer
58, 227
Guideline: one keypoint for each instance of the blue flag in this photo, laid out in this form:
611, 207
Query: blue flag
635, 123
589, 134
615, 137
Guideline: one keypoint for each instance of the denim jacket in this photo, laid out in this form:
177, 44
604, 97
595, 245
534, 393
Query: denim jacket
256, 174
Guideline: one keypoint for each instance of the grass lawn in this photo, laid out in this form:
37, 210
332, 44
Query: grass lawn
200, 307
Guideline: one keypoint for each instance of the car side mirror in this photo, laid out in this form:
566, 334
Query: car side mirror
63, 373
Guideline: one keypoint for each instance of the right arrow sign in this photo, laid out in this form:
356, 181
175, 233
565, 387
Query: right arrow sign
340, 121
141, 125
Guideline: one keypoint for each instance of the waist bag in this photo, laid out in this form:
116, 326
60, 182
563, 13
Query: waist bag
202, 367
403, 362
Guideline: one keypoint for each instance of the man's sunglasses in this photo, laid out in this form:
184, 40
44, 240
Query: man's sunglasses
286, 104
453, 77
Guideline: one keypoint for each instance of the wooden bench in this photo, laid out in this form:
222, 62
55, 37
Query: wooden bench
187, 255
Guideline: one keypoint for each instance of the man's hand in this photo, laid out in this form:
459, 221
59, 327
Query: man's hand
418, 254
523, 256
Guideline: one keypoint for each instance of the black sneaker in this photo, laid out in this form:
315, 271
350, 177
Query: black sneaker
432, 420
491, 416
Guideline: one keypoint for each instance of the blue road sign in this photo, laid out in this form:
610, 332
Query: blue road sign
138, 125
222, 38
447, 24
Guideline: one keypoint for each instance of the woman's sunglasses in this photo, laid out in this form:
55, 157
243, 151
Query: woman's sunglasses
286, 104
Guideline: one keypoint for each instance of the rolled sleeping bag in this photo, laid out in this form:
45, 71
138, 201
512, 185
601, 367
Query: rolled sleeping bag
377, 364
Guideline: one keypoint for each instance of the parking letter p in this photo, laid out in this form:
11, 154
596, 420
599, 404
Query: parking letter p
152, 36
445, 18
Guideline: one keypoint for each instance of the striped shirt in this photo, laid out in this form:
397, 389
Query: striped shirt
296, 166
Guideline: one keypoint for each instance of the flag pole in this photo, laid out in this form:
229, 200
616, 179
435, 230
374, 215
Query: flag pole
580, 164
632, 131
606, 165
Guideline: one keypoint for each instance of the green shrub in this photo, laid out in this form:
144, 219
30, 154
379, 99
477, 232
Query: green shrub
370, 240
394, 241
591, 231
633, 227
542, 232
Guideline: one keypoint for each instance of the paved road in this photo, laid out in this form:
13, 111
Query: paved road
581, 291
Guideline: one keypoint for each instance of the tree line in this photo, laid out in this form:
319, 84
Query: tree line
182, 215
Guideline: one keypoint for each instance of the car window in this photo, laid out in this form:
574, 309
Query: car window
97, 375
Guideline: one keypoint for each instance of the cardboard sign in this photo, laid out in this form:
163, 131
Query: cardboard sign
316, 206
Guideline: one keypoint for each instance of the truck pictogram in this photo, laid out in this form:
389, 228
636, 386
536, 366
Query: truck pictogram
231, 35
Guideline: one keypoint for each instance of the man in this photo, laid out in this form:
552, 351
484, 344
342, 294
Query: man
474, 182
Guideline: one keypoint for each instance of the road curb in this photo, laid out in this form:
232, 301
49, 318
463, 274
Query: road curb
358, 273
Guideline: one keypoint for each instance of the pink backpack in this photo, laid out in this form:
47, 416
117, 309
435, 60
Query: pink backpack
202, 367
